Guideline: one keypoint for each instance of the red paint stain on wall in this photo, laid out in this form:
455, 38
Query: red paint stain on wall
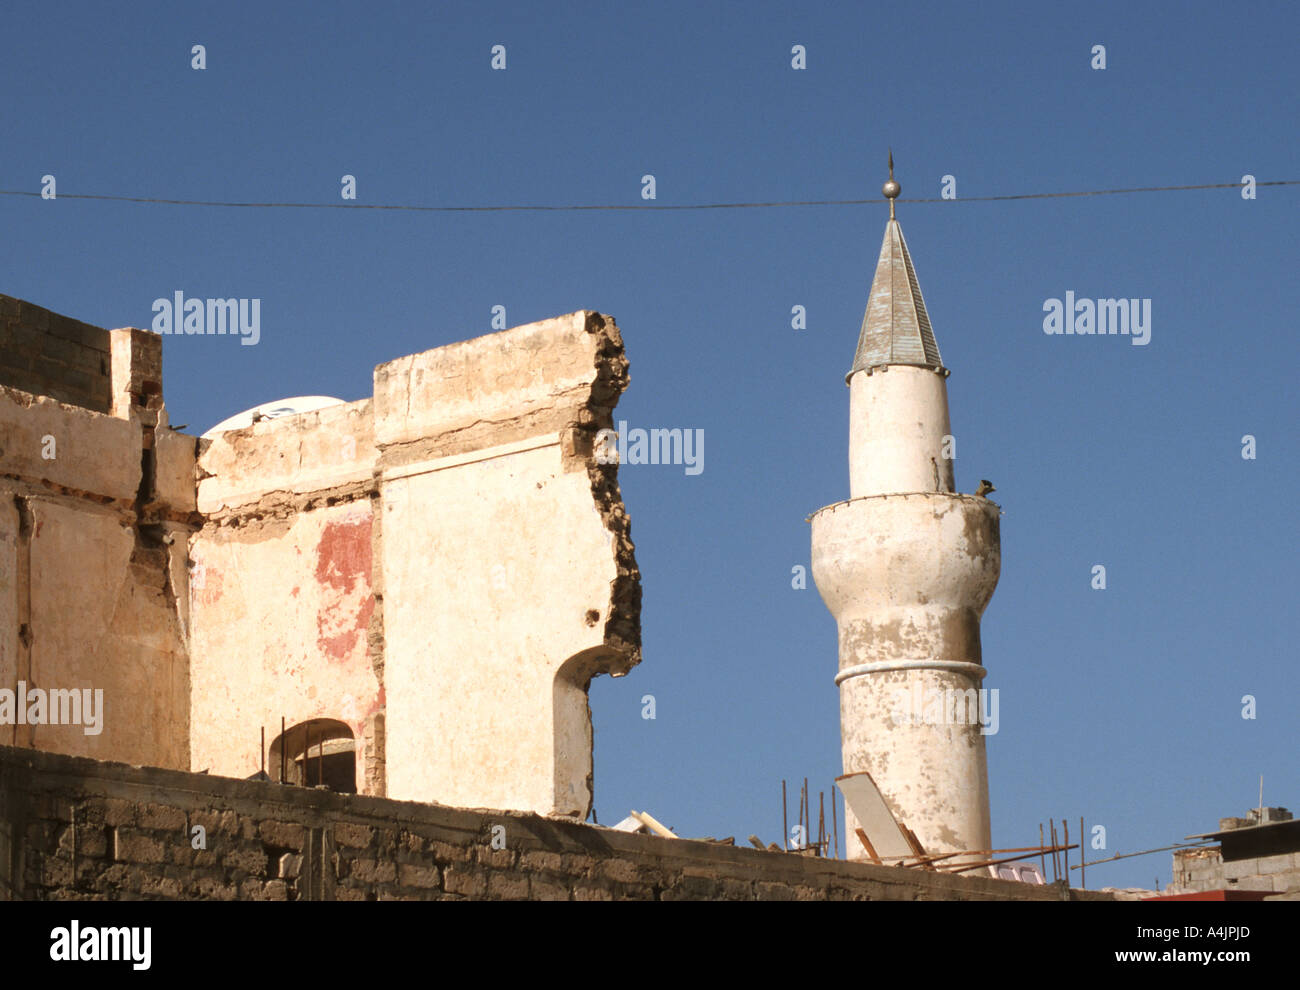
342, 560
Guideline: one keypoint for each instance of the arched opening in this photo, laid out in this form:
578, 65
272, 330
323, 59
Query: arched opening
320, 751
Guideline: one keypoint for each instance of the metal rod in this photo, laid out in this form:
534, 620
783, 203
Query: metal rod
320, 766
1065, 824
807, 815
281, 749
1056, 866
821, 823
1147, 852
835, 821
1042, 864
264, 751
962, 868
785, 821
1083, 858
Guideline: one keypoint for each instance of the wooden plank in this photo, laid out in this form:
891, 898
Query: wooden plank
875, 816
866, 844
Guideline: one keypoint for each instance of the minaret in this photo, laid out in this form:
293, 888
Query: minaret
907, 566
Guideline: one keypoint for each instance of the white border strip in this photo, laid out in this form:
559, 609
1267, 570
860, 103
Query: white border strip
972, 670
470, 457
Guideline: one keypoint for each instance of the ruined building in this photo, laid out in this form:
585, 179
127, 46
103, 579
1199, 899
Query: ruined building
421, 584
405, 598
907, 565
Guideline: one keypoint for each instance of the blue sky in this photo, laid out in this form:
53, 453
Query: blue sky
1122, 705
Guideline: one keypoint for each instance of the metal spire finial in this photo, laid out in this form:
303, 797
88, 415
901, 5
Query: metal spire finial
891, 189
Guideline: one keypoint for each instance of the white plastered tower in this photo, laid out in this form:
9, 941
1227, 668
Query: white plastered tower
907, 566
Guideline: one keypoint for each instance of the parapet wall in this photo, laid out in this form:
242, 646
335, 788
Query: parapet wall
47, 354
78, 829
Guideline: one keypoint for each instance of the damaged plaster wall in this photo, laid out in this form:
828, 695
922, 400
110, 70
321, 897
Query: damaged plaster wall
443, 568
96, 504
516, 581
281, 592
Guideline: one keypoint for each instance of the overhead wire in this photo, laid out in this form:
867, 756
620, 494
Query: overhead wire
637, 206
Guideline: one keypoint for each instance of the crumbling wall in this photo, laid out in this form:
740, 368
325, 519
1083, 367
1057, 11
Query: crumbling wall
281, 589
516, 582
96, 504
443, 568
80, 830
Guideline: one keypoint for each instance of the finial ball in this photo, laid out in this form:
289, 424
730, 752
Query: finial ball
891, 189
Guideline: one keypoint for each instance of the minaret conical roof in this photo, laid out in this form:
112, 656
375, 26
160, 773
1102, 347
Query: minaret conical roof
896, 328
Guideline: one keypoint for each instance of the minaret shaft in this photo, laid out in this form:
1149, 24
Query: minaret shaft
907, 567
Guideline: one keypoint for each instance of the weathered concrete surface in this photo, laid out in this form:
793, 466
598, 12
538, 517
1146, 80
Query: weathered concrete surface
455, 626
281, 623
518, 583
90, 592
907, 578
210, 587
275, 460
94, 456
897, 424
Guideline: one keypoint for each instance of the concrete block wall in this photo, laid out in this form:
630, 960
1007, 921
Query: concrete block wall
1204, 869
84, 830
47, 354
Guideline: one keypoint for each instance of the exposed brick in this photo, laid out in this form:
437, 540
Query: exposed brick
131, 846
540, 860
218, 822
690, 888
445, 852
736, 890
547, 889
591, 892
162, 887
289, 866
467, 880
498, 859
213, 889
161, 817
354, 836
507, 886
248, 860
619, 870
92, 840
286, 835
119, 812
373, 871
412, 875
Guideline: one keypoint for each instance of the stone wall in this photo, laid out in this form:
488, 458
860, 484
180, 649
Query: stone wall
79, 829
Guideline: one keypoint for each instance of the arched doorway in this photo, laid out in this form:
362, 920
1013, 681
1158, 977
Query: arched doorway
318, 751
